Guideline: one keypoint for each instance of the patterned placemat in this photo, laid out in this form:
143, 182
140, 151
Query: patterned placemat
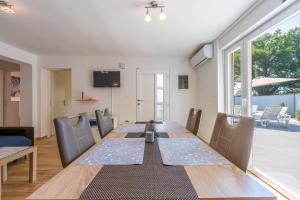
125, 128
116, 151
151, 180
188, 151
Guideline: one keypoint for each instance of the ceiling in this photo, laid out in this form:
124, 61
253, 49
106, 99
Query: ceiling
116, 27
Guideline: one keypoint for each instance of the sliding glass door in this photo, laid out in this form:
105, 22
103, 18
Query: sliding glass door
262, 80
275, 57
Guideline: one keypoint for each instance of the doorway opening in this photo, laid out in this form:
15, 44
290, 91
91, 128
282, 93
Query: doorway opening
152, 96
9, 94
56, 89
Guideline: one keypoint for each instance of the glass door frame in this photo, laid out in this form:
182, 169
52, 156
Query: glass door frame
246, 81
165, 103
229, 77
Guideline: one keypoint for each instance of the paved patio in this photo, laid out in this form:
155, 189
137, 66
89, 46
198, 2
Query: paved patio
276, 152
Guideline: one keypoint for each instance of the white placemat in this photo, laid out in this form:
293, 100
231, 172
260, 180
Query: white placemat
126, 128
117, 151
170, 127
188, 151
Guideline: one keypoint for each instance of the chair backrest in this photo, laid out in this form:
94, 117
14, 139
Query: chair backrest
271, 112
283, 110
105, 124
73, 140
233, 141
189, 120
194, 120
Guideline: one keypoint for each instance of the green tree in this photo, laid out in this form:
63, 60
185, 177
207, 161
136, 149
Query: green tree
276, 55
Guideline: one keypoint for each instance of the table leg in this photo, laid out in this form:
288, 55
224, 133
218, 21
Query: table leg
32, 165
4, 172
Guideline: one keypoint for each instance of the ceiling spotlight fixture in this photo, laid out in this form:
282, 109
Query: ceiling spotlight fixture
154, 5
162, 15
147, 16
6, 7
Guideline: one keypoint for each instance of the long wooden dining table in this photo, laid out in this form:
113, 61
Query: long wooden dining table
209, 181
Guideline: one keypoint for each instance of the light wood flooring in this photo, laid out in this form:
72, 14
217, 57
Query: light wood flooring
17, 186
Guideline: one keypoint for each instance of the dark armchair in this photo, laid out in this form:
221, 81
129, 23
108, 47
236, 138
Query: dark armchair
16, 136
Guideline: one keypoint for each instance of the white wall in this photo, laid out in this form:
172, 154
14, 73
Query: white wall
207, 95
1, 96
26, 103
124, 98
45, 103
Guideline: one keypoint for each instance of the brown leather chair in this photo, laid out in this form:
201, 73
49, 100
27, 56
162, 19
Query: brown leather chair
194, 120
234, 142
73, 140
104, 122
189, 120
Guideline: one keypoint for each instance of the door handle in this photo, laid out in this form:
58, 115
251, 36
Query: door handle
139, 100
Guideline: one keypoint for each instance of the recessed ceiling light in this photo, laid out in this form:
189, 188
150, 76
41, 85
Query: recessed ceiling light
6, 7
153, 5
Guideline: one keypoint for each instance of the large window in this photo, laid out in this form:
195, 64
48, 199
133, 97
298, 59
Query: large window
276, 97
266, 85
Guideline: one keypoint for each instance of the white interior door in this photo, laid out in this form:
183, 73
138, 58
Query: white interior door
146, 97
61, 96
153, 96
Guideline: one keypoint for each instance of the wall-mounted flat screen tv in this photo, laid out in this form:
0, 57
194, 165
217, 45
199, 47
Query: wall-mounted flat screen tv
106, 79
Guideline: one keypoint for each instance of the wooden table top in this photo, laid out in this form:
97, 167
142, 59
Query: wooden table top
8, 151
210, 181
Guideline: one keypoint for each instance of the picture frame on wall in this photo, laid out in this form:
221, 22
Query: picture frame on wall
15, 86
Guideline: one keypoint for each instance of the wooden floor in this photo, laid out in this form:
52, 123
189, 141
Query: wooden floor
18, 188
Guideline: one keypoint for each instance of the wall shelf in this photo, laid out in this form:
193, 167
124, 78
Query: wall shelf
90, 100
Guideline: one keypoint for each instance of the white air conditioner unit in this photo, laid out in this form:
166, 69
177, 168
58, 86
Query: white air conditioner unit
205, 53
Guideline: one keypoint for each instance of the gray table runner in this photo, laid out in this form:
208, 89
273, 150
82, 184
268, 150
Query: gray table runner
149, 181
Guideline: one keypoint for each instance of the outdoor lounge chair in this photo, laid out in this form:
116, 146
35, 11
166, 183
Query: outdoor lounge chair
273, 113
